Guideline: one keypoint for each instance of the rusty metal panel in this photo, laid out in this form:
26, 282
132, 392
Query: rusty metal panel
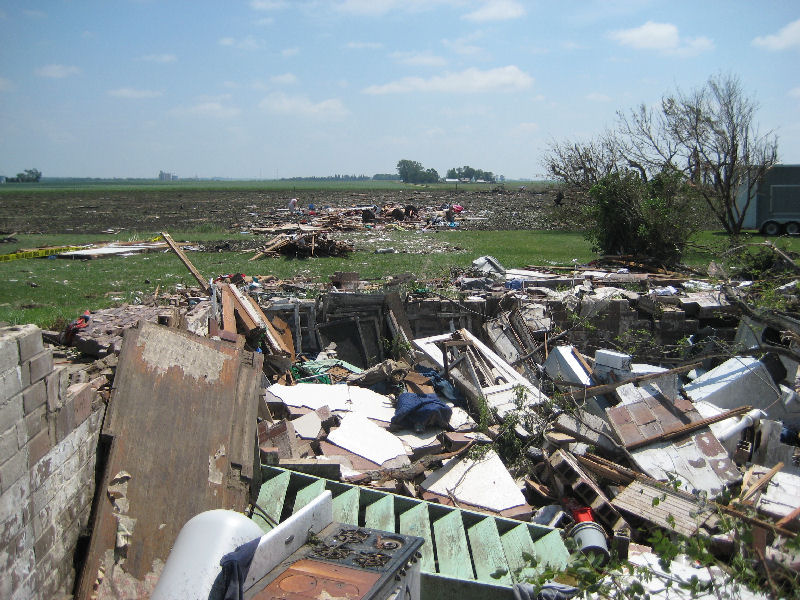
182, 419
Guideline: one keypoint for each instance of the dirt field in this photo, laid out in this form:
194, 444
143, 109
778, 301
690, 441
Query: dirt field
100, 211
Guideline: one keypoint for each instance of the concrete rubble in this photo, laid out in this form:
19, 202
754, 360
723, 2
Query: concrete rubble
513, 397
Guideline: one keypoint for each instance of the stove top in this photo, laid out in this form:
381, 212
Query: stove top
342, 562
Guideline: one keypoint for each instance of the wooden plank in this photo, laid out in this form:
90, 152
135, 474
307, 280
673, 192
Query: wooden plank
345, 507
517, 545
452, 552
271, 498
380, 514
228, 316
764, 480
487, 553
415, 521
186, 262
307, 494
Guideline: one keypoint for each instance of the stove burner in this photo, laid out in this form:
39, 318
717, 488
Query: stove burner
351, 536
388, 543
371, 559
332, 552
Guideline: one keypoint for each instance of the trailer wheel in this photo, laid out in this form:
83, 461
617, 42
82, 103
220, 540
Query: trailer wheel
771, 228
792, 228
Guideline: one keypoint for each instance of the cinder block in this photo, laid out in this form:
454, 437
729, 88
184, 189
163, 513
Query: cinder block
38, 446
12, 470
29, 338
10, 383
65, 421
80, 394
40, 364
613, 360
34, 396
42, 545
9, 353
56, 385
10, 411
8, 444
36, 422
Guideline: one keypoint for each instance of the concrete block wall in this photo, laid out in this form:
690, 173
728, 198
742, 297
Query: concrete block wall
48, 445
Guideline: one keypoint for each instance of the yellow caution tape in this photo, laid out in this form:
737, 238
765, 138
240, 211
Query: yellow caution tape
39, 253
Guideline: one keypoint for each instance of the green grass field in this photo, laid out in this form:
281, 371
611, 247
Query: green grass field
49, 291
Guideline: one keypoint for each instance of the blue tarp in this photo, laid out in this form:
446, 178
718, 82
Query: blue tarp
419, 411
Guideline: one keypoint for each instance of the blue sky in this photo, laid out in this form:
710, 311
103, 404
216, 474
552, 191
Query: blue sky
266, 88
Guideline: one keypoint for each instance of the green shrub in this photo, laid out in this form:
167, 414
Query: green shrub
648, 219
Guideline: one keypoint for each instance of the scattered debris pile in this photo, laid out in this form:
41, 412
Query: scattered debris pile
512, 401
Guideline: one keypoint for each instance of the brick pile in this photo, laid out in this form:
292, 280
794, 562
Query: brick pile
48, 445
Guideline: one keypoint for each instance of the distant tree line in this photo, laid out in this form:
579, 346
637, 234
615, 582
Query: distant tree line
411, 171
27, 176
467, 172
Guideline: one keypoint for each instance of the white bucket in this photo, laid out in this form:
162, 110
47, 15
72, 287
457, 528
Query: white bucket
591, 540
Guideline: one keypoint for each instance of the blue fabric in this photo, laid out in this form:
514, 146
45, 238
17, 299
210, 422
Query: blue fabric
235, 566
420, 411
442, 386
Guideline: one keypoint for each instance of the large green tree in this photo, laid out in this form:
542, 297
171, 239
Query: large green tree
411, 171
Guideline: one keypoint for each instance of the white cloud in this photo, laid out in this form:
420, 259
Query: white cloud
287, 52
212, 108
285, 79
364, 45
794, 92
264, 21
6, 85
376, 8
302, 106
419, 59
501, 79
246, 43
57, 71
367, 7
528, 127
496, 10
597, 97
2, 14
267, 4
787, 37
464, 45
662, 37
159, 58
133, 93
35, 14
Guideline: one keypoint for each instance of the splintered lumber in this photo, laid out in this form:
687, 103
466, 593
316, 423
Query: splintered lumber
662, 507
620, 474
764, 480
688, 428
607, 388
254, 320
187, 263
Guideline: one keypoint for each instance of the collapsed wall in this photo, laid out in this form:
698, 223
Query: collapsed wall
48, 448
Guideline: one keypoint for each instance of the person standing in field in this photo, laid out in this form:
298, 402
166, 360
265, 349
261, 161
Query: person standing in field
293, 205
